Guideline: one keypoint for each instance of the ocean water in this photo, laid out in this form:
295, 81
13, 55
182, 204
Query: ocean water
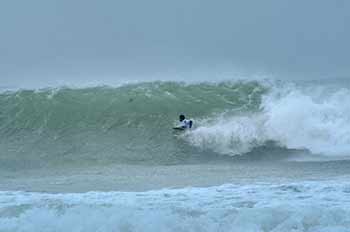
264, 155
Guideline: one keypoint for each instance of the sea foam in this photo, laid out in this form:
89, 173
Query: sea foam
317, 121
302, 206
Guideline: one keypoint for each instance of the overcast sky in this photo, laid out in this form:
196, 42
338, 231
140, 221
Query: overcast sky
83, 40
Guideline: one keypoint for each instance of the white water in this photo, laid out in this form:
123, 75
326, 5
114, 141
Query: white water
318, 121
303, 206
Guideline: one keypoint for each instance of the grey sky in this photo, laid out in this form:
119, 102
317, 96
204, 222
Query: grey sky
64, 40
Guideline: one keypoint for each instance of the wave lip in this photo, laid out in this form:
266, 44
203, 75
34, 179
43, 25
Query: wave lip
321, 125
290, 117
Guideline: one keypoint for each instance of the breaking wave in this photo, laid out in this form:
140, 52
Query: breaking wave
301, 206
132, 123
291, 118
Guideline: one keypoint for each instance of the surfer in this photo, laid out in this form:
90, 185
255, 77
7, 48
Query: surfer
185, 123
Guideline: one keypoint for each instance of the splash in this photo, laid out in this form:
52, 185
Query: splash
291, 117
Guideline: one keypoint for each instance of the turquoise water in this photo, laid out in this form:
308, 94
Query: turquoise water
262, 156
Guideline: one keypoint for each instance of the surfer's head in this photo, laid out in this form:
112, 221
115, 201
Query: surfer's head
181, 117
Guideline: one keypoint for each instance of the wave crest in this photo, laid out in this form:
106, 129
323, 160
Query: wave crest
291, 117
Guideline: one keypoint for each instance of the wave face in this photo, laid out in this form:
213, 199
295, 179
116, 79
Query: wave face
132, 123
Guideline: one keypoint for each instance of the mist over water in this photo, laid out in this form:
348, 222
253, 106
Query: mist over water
59, 43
